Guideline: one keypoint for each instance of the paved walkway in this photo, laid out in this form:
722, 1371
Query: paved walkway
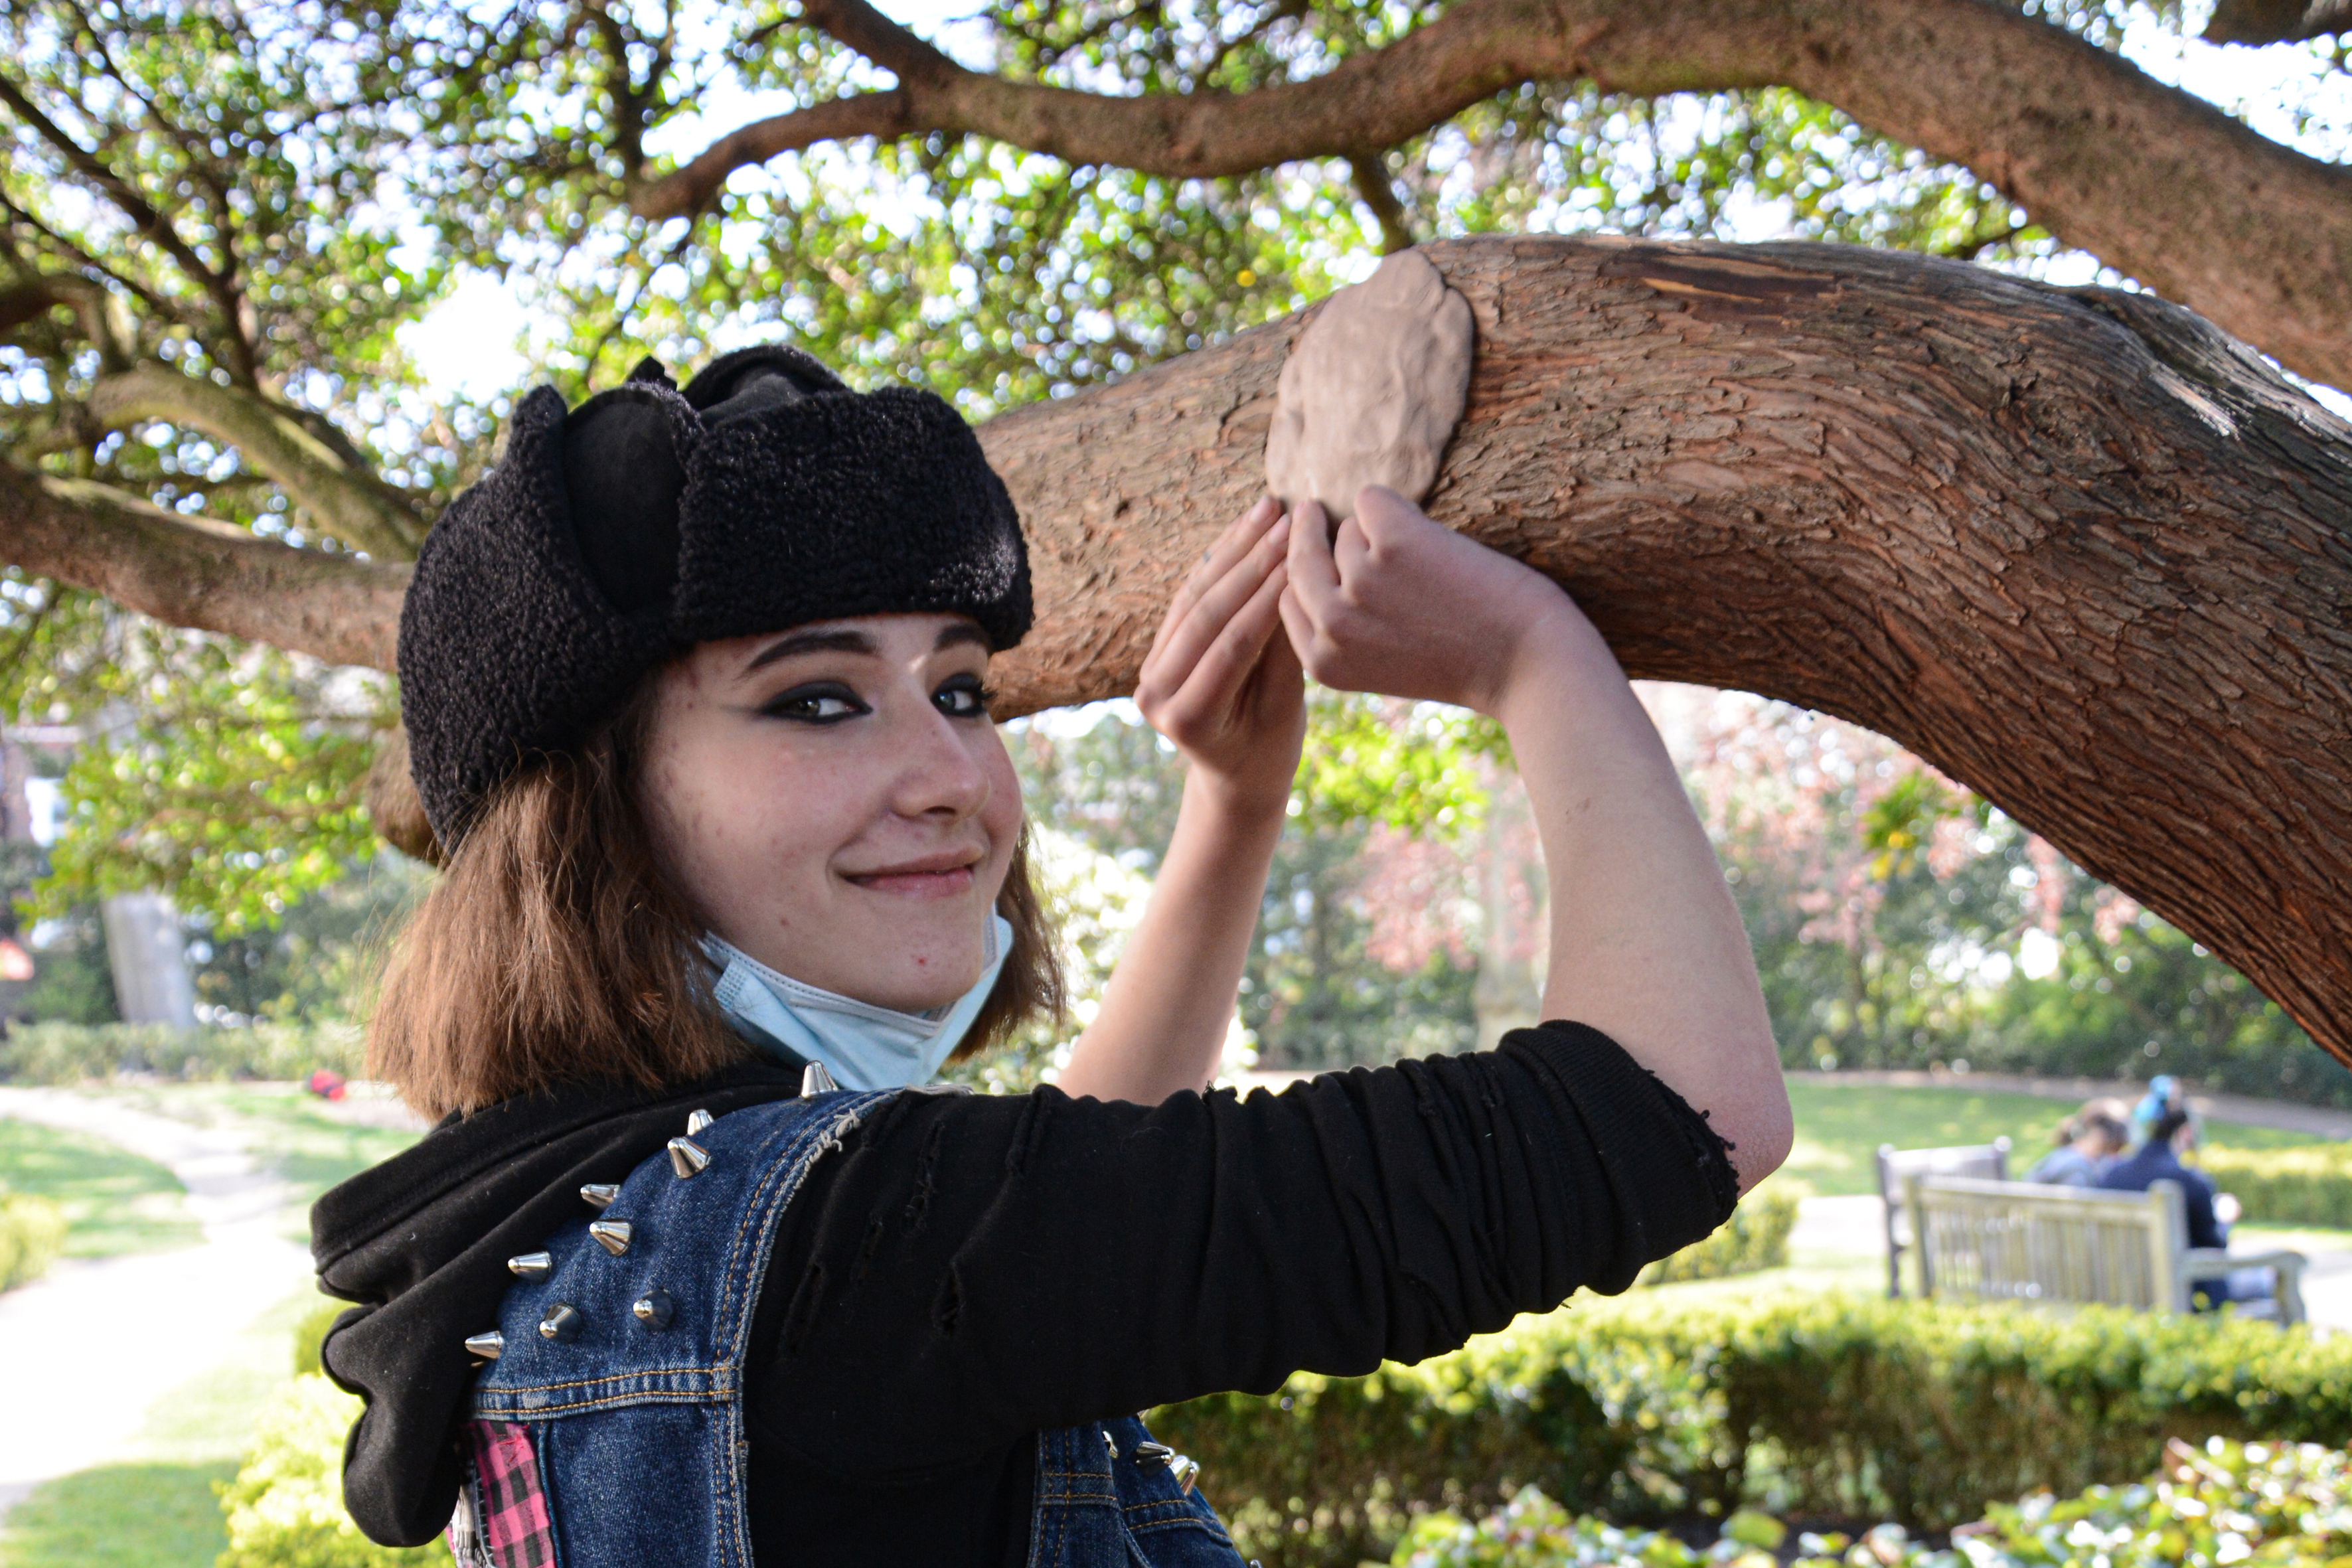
88, 1348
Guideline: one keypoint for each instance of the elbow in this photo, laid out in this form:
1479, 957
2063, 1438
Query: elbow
1767, 1131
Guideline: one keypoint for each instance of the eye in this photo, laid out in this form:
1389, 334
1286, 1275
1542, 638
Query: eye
822, 702
963, 697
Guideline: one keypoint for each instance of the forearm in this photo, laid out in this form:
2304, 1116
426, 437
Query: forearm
1170, 1002
1646, 945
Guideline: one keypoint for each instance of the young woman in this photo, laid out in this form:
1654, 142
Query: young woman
697, 1266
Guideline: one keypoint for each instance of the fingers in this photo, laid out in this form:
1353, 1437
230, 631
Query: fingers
1314, 577
1195, 627
1210, 699
1229, 547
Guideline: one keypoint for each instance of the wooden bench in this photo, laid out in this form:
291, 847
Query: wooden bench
2023, 1241
1986, 1161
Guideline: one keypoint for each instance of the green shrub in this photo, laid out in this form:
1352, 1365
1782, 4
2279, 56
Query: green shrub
311, 1332
2209, 1506
285, 1507
32, 1237
73, 1053
1847, 1406
2306, 1186
1755, 1237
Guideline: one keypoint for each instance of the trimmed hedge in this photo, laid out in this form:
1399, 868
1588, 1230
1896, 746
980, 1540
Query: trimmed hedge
285, 1507
2209, 1506
75, 1053
32, 1237
1844, 1406
1755, 1237
2307, 1185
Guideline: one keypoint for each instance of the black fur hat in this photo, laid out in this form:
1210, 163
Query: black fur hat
764, 496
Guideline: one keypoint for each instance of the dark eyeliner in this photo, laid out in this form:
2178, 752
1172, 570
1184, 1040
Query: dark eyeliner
780, 706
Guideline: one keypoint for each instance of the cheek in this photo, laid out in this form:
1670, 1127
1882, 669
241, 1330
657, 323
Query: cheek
1002, 814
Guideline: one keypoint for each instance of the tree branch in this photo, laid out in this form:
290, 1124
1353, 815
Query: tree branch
2261, 22
1371, 173
192, 572
2080, 551
235, 313
104, 319
2152, 180
688, 191
343, 498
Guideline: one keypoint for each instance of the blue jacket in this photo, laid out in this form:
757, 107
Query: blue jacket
2156, 1162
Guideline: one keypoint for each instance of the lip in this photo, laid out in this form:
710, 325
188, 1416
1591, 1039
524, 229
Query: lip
943, 875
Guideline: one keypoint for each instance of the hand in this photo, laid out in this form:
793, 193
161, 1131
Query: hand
1402, 606
1221, 680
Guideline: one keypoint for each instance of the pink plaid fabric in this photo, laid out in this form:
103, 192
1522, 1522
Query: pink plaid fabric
515, 1529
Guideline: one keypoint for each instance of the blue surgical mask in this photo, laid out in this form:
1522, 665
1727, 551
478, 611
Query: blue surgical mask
862, 1046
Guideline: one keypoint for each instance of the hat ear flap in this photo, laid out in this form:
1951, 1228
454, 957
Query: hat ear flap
624, 454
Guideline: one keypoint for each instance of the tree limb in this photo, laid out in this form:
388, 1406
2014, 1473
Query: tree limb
2080, 551
2156, 182
236, 313
341, 496
2275, 21
105, 320
192, 572
1371, 173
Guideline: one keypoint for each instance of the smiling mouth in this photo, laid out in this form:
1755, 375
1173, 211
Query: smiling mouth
939, 878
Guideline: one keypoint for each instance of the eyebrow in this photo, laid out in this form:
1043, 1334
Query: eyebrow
960, 633
797, 643
848, 640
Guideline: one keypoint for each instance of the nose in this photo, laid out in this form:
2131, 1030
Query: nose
939, 777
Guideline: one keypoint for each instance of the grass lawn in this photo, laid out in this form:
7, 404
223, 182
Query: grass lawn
156, 1507
114, 1200
123, 1516
291, 1130
1839, 1128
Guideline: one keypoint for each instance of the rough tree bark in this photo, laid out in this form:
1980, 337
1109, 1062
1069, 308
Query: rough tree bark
2078, 549
192, 572
2156, 182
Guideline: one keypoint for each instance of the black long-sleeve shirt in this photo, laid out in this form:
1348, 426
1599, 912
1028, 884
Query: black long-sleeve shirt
975, 1270
970, 1269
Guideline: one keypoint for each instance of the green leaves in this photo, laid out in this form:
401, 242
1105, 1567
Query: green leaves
229, 777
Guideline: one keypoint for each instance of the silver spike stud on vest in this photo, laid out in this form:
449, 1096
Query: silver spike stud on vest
1111, 1443
597, 1194
530, 1265
1186, 1472
687, 1157
562, 1323
815, 1080
1154, 1454
695, 1121
654, 1309
487, 1345
612, 1235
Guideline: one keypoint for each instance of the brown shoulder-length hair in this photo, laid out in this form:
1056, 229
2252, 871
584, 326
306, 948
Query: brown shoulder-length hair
556, 948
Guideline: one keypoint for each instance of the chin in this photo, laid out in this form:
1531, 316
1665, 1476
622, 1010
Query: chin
917, 990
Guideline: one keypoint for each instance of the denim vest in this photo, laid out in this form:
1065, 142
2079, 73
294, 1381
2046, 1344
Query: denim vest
610, 1426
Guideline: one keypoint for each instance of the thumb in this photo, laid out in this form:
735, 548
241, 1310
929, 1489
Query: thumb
1383, 514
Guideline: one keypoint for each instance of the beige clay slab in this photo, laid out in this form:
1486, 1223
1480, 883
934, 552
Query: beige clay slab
1372, 389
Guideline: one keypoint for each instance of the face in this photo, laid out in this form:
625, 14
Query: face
835, 801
